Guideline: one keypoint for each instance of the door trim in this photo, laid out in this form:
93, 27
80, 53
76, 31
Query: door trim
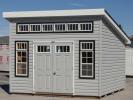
40, 41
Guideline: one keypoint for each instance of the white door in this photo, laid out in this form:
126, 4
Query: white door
43, 67
53, 67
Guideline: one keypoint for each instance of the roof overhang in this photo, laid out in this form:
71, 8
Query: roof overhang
59, 13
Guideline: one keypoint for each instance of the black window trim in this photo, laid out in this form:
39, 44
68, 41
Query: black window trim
93, 60
55, 31
27, 59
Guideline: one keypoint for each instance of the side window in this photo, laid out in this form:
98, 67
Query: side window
62, 49
87, 59
43, 48
21, 58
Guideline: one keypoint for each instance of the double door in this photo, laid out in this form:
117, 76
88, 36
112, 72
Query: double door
53, 67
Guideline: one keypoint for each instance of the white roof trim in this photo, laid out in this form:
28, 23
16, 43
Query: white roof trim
56, 13
53, 13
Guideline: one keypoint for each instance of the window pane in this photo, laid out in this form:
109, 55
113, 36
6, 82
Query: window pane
43, 48
47, 27
35, 27
84, 54
21, 68
83, 60
89, 60
23, 27
89, 54
62, 48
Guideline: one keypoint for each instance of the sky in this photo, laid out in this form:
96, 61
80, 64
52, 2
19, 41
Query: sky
120, 10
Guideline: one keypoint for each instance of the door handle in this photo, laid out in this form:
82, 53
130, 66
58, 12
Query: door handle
54, 73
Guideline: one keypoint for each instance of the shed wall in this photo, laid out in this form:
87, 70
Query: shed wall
81, 86
112, 62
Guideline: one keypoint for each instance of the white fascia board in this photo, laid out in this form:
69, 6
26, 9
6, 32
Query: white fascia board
53, 13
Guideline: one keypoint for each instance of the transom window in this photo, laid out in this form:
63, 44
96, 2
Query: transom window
35, 27
61, 49
56, 27
73, 27
21, 58
87, 59
23, 27
60, 27
86, 26
43, 48
47, 27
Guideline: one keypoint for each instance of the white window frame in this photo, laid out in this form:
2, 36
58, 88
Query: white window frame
72, 29
89, 23
60, 30
48, 30
62, 52
42, 45
21, 50
35, 30
93, 57
18, 25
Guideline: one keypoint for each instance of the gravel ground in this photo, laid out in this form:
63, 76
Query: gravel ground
126, 94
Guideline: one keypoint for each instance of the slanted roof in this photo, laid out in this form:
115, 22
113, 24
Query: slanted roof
4, 39
77, 12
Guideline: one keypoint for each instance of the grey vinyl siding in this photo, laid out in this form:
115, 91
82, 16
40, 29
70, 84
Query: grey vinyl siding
112, 61
81, 86
109, 57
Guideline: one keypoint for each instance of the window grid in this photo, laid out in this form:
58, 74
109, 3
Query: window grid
21, 58
63, 49
87, 59
35, 28
43, 48
47, 28
23, 27
56, 27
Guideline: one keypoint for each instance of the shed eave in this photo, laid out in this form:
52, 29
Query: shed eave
58, 13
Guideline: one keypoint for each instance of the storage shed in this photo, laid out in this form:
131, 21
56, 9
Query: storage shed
72, 52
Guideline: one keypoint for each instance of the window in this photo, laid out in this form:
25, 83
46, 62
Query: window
21, 58
56, 27
35, 27
1, 59
61, 49
72, 27
86, 26
23, 27
47, 27
43, 48
60, 27
87, 59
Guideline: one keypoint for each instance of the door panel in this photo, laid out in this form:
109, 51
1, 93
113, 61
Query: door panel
63, 67
43, 69
54, 69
